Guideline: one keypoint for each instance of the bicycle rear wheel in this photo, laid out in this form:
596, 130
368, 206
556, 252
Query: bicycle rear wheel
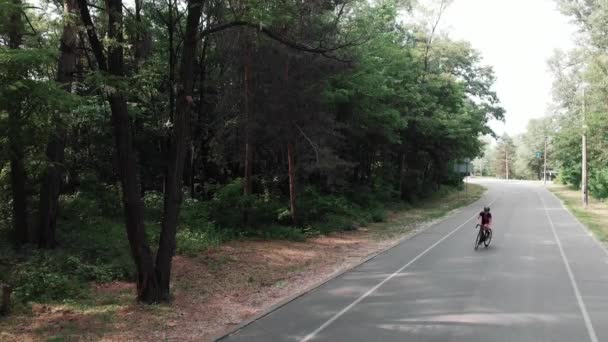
488, 239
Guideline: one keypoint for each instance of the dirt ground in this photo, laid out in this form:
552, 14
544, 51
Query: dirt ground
213, 292
216, 290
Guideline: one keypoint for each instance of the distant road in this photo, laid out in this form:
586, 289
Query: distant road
544, 278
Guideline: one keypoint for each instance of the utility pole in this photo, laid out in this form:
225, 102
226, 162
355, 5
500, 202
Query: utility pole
545, 166
584, 161
506, 160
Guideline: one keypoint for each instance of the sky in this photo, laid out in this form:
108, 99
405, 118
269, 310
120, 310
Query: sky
516, 38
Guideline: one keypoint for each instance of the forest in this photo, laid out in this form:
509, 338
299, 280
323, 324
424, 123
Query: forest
578, 109
133, 132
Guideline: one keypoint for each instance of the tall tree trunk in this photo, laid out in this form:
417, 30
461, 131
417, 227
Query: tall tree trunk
171, 31
402, 193
179, 143
147, 284
291, 168
143, 37
292, 181
15, 137
198, 140
248, 147
51, 186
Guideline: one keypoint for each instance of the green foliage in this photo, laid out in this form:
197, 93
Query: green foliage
97, 201
277, 232
43, 278
378, 215
193, 242
598, 183
229, 207
580, 91
387, 126
197, 232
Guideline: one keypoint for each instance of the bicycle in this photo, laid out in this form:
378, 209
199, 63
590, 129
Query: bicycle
483, 238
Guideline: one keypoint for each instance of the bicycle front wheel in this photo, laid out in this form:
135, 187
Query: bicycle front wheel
486, 242
478, 239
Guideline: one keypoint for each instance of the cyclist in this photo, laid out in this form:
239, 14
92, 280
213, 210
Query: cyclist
485, 218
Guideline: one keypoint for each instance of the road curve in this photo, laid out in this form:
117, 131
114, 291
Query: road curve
544, 278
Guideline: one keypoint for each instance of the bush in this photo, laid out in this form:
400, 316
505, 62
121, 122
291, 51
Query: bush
598, 184
570, 175
87, 205
280, 233
229, 207
191, 243
454, 180
153, 204
43, 279
378, 215
315, 207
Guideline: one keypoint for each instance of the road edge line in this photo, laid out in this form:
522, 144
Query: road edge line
580, 224
577, 293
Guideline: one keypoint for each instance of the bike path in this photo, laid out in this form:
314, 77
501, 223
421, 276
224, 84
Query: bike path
435, 287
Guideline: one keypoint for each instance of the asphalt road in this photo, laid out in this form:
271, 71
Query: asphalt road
543, 278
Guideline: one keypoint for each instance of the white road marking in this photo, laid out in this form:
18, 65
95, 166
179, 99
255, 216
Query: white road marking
580, 224
373, 289
577, 293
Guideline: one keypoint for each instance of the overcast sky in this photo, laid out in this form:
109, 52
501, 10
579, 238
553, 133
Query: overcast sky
515, 37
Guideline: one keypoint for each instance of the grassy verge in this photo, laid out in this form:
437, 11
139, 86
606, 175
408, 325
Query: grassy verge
595, 217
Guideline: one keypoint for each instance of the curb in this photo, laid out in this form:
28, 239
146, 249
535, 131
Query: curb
408, 235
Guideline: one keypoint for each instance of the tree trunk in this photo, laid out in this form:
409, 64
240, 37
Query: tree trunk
143, 38
147, 284
18, 176
402, 192
51, 186
292, 181
5, 302
248, 148
15, 138
179, 144
171, 32
199, 140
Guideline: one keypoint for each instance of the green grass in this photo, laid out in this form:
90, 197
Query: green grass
595, 217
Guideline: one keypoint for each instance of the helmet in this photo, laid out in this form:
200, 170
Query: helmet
486, 209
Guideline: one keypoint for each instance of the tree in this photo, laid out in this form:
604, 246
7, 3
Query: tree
505, 158
531, 148
579, 92
15, 72
51, 185
272, 113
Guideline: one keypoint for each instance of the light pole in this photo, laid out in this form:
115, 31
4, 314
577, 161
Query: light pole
506, 161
